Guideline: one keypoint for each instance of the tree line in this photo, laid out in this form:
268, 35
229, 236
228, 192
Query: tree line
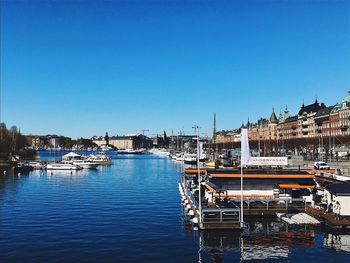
12, 142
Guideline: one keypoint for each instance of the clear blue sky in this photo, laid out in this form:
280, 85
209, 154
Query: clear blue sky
81, 68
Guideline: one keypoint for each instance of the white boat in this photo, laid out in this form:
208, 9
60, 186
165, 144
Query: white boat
131, 151
190, 158
180, 157
85, 164
37, 165
160, 152
100, 158
62, 166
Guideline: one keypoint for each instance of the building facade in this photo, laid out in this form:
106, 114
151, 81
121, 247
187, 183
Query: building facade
314, 123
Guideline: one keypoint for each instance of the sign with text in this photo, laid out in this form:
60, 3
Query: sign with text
268, 161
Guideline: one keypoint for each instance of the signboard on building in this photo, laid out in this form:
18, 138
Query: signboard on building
270, 161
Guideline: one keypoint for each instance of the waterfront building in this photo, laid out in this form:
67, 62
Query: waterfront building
290, 127
47, 141
341, 116
314, 128
38, 142
281, 125
266, 131
161, 141
131, 141
322, 122
98, 140
306, 119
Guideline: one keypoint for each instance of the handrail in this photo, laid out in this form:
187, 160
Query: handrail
190, 195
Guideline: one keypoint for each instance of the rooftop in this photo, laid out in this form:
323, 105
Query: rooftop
314, 107
324, 111
342, 188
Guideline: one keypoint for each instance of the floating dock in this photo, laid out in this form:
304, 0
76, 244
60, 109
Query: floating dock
210, 217
298, 219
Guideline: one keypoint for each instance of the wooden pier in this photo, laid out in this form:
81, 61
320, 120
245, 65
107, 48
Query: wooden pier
329, 219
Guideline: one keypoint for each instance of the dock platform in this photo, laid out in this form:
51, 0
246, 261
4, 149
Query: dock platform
298, 219
329, 219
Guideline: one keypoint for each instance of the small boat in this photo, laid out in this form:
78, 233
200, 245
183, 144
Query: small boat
62, 166
37, 165
22, 168
131, 151
191, 158
100, 158
180, 158
160, 152
85, 164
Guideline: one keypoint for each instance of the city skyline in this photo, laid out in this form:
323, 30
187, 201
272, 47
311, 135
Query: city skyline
84, 68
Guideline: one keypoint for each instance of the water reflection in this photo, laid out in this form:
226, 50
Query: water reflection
337, 242
261, 240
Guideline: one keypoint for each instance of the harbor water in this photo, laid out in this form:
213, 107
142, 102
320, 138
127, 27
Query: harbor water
131, 212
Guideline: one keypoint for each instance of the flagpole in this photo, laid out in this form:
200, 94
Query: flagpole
200, 180
245, 159
196, 129
242, 223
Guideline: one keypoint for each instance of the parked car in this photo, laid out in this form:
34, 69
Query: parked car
321, 166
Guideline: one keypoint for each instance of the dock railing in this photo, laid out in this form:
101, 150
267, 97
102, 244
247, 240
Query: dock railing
190, 195
275, 204
220, 215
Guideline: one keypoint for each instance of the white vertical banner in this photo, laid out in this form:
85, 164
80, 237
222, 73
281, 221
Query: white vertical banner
201, 149
245, 152
245, 159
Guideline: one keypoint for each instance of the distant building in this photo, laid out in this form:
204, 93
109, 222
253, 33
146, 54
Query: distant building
132, 141
161, 141
98, 140
38, 141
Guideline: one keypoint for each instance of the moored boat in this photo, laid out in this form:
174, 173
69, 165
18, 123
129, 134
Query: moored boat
100, 158
131, 151
62, 166
86, 164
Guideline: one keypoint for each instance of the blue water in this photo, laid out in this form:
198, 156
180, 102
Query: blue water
131, 212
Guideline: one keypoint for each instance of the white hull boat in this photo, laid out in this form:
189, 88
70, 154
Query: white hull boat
62, 166
100, 158
85, 164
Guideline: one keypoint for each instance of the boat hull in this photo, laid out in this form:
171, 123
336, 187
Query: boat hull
62, 167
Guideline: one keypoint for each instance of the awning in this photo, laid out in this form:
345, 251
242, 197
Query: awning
295, 186
264, 176
194, 171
